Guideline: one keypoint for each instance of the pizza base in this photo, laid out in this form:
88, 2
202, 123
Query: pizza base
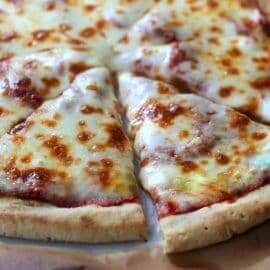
216, 223
91, 224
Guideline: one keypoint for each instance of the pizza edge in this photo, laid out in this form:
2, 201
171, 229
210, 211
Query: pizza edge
216, 223
89, 224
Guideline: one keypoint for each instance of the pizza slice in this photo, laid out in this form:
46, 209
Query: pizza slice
206, 166
28, 80
220, 59
66, 172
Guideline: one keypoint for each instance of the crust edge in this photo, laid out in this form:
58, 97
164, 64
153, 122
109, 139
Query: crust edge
216, 223
90, 224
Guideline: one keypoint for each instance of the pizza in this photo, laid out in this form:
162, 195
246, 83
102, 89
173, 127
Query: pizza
102, 101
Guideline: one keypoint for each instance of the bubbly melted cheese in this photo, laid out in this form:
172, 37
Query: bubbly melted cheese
72, 150
215, 49
28, 80
192, 152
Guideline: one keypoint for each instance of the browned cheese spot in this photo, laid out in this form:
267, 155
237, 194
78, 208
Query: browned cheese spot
58, 149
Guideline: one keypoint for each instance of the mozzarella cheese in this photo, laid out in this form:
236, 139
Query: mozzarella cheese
72, 150
192, 151
215, 49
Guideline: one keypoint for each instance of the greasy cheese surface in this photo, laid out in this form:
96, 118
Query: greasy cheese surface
192, 151
72, 150
28, 80
217, 49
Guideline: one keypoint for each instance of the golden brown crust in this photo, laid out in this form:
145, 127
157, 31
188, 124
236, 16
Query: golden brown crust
92, 224
216, 223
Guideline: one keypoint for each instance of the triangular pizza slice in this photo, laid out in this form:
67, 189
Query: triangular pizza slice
66, 172
206, 166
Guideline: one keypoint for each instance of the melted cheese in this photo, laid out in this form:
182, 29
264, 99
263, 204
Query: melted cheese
26, 81
215, 49
192, 152
72, 150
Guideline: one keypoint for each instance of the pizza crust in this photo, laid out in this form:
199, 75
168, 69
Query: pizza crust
216, 223
91, 224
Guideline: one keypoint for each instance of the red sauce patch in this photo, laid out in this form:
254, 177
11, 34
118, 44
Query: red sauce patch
24, 90
58, 150
188, 166
88, 32
117, 138
7, 37
258, 135
84, 136
177, 55
226, 91
239, 120
157, 112
86, 109
261, 83
21, 125
222, 159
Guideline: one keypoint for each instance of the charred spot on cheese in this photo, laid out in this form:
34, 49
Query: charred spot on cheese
226, 91
7, 37
81, 123
63, 27
49, 5
261, 83
27, 158
266, 27
89, 7
21, 125
88, 32
101, 24
41, 35
238, 120
78, 67
58, 149
188, 166
93, 87
3, 111
184, 134
49, 122
50, 82
234, 52
84, 136
159, 113
163, 88
213, 4
258, 135
102, 170
87, 109
24, 90
222, 159
117, 138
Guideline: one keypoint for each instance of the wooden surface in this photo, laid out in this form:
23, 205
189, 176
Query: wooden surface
249, 251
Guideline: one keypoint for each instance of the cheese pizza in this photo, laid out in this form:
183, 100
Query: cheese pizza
206, 166
193, 81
